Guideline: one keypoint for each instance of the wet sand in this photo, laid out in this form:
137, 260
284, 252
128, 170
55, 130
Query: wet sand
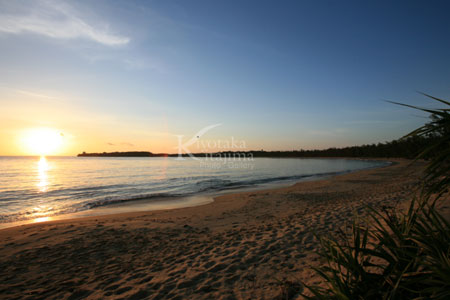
246, 245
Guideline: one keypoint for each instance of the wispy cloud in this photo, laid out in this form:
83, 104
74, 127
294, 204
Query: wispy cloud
120, 144
56, 20
127, 144
32, 95
36, 95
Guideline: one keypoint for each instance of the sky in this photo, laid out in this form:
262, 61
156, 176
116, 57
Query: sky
137, 75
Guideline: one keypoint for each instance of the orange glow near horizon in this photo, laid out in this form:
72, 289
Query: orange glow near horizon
42, 141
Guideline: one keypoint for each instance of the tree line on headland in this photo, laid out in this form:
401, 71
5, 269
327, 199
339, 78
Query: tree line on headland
402, 148
121, 154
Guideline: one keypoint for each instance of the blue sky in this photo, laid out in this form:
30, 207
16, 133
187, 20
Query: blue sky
121, 75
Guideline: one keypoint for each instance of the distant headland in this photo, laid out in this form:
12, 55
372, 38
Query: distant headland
405, 148
123, 154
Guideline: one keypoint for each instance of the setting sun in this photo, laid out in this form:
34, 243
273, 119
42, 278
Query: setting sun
42, 141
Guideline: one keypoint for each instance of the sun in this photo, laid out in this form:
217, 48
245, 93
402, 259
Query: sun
42, 141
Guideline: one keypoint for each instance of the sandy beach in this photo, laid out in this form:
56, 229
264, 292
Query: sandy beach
246, 245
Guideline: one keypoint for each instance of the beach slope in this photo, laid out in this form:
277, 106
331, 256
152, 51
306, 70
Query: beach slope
247, 245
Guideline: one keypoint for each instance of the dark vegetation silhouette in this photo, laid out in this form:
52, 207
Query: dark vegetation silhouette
122, 154
408, 147
402, 148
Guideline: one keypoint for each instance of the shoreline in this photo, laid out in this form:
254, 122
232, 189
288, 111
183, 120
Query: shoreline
249, 244
180, 202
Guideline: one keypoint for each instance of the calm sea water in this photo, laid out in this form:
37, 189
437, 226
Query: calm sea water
37, 188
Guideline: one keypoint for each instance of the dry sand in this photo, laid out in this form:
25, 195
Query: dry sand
242, 246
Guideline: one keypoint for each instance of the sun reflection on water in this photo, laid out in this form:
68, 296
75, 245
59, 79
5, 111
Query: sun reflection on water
41, 212
43, 167
42, 219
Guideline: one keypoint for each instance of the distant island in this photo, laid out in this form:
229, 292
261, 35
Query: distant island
123, 154
401, 148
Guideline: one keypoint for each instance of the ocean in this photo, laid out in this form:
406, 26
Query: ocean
45, 188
